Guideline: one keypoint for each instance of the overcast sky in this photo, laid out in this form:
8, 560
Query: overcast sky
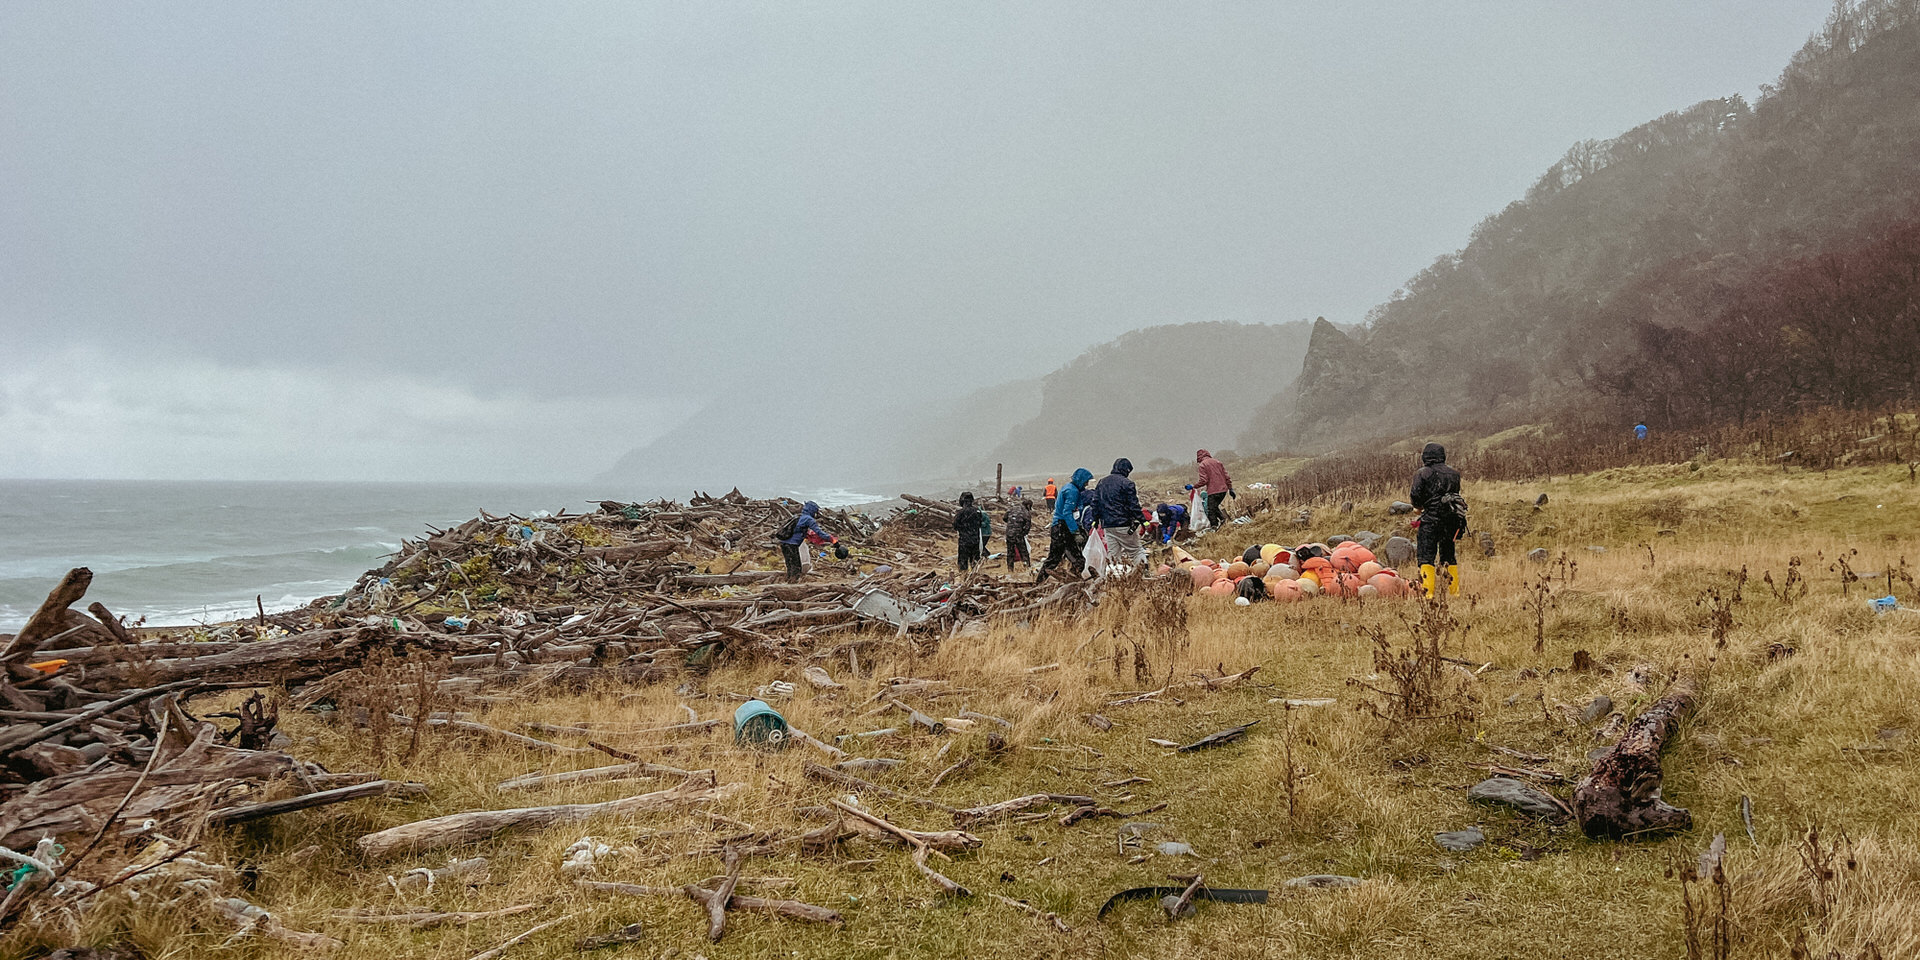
488, 240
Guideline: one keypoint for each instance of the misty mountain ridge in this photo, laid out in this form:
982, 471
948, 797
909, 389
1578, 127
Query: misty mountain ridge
1120, 398
1637, 269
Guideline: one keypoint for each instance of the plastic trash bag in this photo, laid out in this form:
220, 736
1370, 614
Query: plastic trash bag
1096, 552
1197, 512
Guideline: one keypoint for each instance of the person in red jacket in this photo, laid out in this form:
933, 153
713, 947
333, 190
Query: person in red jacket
1215, 483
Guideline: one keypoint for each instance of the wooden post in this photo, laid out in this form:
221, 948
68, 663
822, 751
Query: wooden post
999, 478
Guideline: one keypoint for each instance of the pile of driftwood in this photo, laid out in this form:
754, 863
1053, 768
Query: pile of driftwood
105, 756
101, 748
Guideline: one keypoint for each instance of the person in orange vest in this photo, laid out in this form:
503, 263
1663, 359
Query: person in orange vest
1052, 491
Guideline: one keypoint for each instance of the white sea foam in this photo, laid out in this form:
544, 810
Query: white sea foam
838, 497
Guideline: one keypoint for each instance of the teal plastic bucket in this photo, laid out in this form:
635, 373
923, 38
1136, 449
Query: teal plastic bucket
757, 725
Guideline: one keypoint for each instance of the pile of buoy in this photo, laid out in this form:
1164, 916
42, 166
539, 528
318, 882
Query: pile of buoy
1274, 572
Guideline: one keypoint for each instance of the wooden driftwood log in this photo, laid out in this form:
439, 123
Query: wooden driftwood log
303, 656
479, 824
274, 808
50, 620
1621, 796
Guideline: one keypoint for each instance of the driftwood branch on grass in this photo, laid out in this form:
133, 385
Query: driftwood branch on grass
921, 848
618, 771
274, 808
827, 775
479, 824
791, 909
994, 811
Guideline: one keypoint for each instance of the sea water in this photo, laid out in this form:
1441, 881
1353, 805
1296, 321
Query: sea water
178, 553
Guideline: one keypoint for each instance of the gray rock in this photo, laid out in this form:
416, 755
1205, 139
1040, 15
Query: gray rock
1367, 538
1460, 841
1598, 752
1337, 539
1174, 848
1600, 707
1537, 554
1400, 553
1324, 881
1400, 507
1540, 501
1167, 903
1513, 793
1486, 543
1347, 507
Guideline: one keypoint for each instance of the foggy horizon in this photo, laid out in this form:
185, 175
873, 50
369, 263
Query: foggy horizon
498, 243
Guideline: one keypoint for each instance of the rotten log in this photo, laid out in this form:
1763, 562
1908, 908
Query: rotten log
1621, 795
479, 824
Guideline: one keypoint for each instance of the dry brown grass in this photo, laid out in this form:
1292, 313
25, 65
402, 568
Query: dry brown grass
1780, 728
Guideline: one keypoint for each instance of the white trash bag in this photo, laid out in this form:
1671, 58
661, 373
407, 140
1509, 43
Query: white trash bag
1096, 552
1197, 512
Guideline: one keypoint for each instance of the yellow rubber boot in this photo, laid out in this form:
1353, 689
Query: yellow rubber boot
1426, 579
1453, 579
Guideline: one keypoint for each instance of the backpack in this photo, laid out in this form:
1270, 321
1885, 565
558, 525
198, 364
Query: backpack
1087, 516
788, 529
986, 528
1454, 507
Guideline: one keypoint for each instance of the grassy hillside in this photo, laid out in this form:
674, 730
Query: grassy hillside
1810, 713
1776, 223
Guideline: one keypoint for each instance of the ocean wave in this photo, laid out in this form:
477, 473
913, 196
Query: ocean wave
182, 591
837, 497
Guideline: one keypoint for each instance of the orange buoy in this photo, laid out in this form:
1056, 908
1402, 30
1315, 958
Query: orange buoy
1388, 585
1202, 576
1238, 569
1368, 569
1260, 569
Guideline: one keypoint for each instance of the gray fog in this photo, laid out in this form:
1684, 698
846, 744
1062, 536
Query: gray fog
480, 240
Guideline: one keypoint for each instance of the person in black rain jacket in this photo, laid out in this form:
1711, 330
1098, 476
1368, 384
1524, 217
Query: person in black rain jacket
966, 522
1439, 525
1116, 504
